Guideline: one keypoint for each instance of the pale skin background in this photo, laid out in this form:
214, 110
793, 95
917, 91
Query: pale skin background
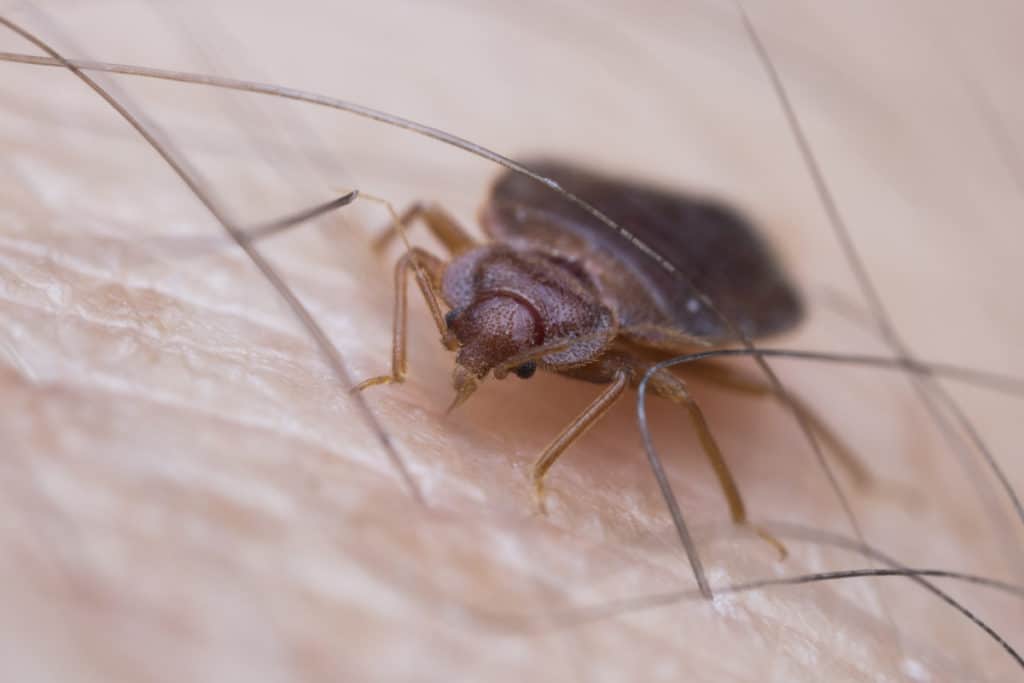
188, 494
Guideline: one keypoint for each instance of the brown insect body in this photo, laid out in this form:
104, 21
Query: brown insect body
553, 274
558, 290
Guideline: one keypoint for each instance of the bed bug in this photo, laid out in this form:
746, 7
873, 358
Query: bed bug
555, 290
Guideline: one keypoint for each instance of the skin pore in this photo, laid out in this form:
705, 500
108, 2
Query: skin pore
190, 493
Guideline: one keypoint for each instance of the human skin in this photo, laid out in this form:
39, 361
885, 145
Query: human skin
189, 493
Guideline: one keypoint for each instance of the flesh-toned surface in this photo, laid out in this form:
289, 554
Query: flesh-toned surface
186, 493
716, 251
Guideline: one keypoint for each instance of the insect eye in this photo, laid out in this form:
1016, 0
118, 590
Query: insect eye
450, 316
526, 370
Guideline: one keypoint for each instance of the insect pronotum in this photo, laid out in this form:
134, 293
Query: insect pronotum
606, 535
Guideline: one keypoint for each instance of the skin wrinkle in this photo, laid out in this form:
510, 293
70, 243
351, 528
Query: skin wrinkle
232, 575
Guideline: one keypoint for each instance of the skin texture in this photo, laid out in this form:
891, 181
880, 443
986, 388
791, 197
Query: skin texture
186, 492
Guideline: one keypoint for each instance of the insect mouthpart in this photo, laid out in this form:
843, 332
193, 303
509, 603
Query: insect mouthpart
465, 383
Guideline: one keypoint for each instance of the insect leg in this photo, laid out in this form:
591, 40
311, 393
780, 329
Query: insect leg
575, 429
428, 269
846, 457
452, 235
669, 386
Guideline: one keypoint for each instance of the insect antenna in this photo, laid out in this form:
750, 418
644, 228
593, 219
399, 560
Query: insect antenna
125, 69
192, 180
483, 152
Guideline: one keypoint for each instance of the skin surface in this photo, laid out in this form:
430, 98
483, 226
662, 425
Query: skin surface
186, 492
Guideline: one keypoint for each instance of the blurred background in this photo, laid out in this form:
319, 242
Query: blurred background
187, 492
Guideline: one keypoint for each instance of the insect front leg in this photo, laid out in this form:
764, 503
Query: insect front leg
428, 270
667, 385
575, 429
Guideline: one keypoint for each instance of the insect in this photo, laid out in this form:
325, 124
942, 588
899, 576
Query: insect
554, 291
424, 566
